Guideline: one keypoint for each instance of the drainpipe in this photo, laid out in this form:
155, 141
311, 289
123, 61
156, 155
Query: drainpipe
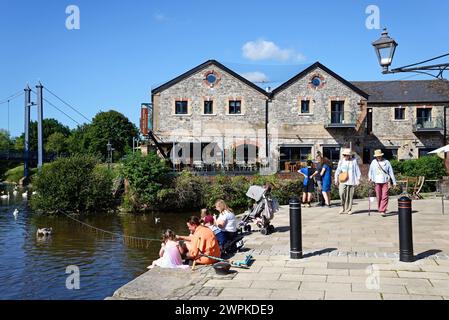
268, 90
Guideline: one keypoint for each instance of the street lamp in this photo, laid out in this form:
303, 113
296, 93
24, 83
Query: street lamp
385, 49
110, 149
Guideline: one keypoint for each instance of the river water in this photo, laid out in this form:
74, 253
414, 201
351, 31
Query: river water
35, 268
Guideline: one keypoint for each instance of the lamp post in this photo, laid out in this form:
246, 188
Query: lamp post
386, 48
109, 148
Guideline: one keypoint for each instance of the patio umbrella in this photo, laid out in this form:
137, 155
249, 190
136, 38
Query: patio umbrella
440, 150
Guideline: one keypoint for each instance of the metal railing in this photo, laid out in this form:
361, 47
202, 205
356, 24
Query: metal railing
337, 119
429, 123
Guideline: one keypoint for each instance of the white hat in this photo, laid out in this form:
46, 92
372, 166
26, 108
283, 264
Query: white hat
346, 152
378, 153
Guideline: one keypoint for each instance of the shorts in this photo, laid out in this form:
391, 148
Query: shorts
309, 188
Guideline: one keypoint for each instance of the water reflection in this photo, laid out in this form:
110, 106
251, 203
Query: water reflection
34, 268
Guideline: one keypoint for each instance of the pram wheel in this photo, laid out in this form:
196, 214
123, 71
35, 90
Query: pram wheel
264, 231
247, 228
270, 228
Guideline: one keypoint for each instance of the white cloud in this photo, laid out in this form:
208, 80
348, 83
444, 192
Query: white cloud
255, 76
160, 17
265, 50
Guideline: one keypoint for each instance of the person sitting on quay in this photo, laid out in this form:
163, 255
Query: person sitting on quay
201, 244
226, 221
209, 221
170, 253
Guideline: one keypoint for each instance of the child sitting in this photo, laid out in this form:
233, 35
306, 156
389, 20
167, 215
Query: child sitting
170, 253
209, 221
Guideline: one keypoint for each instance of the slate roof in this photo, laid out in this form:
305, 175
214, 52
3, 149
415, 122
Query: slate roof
419, 91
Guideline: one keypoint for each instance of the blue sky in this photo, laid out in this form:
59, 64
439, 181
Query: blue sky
124, 48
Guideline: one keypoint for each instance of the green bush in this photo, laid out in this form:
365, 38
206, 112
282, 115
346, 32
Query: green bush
431, 167
146, 176
185, 191
76, 184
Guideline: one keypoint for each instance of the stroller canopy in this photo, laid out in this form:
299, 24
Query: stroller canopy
255, 192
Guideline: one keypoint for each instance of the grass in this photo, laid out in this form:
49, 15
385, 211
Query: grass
15, 174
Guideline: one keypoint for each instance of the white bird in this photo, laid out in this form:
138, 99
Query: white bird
25, 195
16, 213
4, 196
44, 232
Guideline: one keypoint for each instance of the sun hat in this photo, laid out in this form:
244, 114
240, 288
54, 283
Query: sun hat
378, 153
346, 152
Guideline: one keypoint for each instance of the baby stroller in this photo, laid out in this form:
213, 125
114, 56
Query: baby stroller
262, 211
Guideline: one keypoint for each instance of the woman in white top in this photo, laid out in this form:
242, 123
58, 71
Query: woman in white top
350, 171
381, 173
226, 221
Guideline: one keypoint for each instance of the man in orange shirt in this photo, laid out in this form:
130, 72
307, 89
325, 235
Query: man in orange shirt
201, 240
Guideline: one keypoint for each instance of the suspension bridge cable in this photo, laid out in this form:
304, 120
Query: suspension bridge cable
51, 104
12, 97
67, 104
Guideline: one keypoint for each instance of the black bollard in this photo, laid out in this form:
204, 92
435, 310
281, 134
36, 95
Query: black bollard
295, 229
405, 230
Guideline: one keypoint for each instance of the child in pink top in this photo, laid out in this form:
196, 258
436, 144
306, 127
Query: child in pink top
170, 254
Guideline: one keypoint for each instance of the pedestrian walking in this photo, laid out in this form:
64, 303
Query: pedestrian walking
319, 180
382, 175
347, 177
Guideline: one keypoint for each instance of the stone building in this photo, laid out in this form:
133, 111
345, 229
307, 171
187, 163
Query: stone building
212, 115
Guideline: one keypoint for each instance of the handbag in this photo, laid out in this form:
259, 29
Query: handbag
343, 177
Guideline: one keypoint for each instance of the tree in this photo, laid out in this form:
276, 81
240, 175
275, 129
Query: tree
114, 127
56, 143
5, 140
78, 141
49, 126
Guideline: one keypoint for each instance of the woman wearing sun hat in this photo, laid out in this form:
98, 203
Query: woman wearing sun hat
381, 173
347, 177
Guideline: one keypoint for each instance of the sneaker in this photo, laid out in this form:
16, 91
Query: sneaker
309, 205
342, 211
383, 214
349, 212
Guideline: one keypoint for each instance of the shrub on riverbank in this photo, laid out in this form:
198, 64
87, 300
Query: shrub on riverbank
147, 175
77, 184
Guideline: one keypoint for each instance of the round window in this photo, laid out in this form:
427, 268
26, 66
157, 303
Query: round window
316, 81
211, 78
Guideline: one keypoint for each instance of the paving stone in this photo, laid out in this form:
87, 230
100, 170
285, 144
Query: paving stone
335, 272
332, 295
303, 278
296, 295
313, 286
391, 296
259, 276
229, 283
383, 288
282, 270
424, 275
285, 285
248, 294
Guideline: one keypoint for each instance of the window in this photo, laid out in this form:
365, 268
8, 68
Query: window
337, 112
333, 154
424, 151
305, 106
391, 154
181, 107
208, 107
235, 107
399, 113
294, 155
424, 116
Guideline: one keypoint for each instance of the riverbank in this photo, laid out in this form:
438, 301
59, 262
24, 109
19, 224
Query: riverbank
345, 257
